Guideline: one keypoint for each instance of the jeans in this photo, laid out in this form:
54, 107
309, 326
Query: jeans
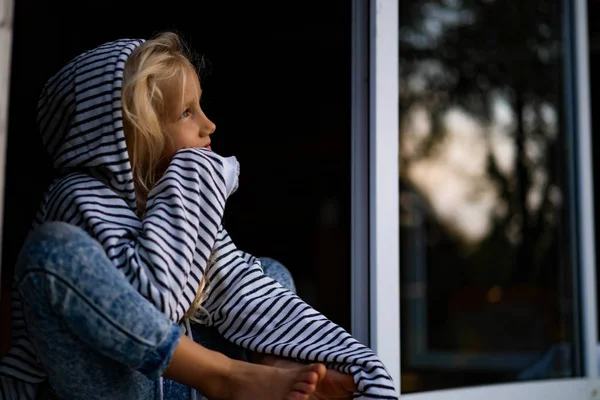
96, 336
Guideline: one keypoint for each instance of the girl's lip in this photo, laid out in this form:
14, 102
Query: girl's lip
208, 147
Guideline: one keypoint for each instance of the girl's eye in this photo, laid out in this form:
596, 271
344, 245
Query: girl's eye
186, 114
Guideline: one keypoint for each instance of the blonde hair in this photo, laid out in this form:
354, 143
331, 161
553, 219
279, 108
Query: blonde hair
197, 312
151, 64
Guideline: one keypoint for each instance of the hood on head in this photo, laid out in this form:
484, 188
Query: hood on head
80, 116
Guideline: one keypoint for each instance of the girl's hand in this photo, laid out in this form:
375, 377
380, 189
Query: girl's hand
231, 173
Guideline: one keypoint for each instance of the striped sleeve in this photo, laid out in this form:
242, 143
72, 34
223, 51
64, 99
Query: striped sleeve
249, 258
257, 313
13, 389
20, 371
166, 252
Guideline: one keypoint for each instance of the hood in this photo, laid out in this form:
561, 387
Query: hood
80, 117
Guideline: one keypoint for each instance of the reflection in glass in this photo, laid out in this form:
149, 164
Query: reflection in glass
486, 231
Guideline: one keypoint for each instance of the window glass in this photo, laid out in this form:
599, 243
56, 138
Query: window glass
487, 233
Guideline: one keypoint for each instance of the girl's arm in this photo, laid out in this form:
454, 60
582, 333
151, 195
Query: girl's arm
255, 312
165, 254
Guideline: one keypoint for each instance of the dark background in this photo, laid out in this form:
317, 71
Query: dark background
594, 44
277, 85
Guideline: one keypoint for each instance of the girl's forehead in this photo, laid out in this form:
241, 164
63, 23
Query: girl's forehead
180, 89
191, 83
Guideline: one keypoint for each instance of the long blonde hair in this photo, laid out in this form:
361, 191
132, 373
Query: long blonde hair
151, 64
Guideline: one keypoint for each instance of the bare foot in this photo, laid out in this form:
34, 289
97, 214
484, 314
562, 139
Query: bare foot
218, 377
334, 385
252, 381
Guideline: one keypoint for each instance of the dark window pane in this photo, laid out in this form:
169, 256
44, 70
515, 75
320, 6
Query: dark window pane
486, 233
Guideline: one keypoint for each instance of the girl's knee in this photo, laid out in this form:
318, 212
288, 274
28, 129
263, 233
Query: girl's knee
278, 272
48, 246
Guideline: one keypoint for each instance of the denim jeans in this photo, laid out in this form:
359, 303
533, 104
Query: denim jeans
96, 336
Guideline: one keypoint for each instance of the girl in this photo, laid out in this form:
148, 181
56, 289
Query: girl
129, 242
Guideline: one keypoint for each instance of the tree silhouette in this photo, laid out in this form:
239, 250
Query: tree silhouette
461, 54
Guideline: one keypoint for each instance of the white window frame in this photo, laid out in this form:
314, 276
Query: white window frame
585, 189
566, 389
6, 32
375, 185
375, 231
384, 253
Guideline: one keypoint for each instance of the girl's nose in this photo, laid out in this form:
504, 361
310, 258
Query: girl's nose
207, 127
212, 127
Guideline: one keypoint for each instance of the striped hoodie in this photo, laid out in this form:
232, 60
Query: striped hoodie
166, 254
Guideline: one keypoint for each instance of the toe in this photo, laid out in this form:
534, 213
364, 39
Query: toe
309, 377
319, 369
304, 387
